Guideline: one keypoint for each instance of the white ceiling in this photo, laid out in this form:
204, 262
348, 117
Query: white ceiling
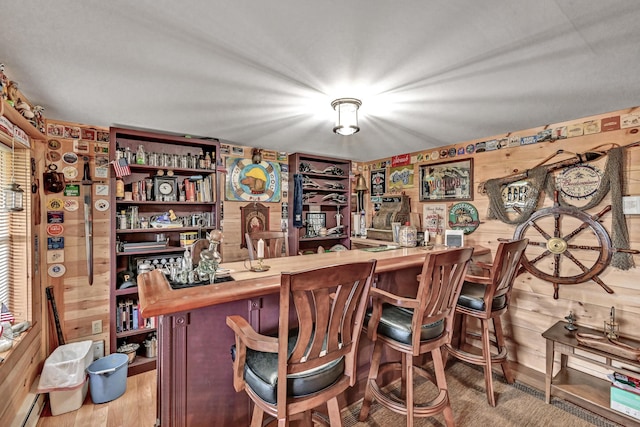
263, 73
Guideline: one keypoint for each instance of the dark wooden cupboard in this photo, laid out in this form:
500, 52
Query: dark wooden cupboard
169, 198
326, 203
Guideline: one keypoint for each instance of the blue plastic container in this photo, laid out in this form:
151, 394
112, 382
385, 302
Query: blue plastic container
108, 377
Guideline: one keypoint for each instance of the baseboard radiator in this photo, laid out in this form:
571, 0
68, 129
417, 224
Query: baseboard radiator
31, 408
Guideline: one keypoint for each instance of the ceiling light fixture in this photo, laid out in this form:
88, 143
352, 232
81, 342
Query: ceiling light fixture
347, 115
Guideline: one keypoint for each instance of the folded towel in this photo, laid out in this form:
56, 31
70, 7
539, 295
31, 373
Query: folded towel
297, 200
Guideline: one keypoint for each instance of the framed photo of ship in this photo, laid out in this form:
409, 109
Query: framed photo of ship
447, 181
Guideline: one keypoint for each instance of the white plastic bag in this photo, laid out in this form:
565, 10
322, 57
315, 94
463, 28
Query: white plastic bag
66, 367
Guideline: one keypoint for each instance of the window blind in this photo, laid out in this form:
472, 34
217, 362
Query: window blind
15, 253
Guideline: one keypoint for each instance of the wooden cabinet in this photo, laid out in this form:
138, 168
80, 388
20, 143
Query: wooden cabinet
170, 198
195, 375
579, 387
326, 203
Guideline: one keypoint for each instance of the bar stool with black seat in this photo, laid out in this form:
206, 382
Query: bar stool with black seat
413, 327
318, 358
486, 298
276, 244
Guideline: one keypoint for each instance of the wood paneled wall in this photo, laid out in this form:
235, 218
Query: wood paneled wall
232, 222
533, 308
79, 304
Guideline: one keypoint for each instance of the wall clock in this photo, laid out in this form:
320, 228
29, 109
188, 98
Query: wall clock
579, 181
165, 188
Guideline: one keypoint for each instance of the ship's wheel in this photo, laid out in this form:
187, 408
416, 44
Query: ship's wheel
566, 246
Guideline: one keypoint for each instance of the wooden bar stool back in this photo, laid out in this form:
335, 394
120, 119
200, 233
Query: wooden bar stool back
276, 244
415, 326
318, 358
486, 298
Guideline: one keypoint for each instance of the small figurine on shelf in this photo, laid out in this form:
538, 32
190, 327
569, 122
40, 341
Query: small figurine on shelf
571, 318
24, 109
4, 83
12, 93
611, 328
38, 119
166, 220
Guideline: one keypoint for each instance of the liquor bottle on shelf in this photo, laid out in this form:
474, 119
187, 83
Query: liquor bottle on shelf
141, 158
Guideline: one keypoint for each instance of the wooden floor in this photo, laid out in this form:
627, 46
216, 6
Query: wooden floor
136, 408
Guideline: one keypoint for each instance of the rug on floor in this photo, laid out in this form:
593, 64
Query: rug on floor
518, 405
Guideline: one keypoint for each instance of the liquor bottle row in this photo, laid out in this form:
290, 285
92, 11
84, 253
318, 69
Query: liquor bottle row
202, 160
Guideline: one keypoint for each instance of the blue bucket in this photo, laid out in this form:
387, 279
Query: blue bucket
108, 377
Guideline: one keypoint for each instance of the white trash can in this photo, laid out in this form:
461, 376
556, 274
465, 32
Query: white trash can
64, 376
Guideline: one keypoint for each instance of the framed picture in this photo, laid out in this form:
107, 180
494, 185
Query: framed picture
378, 182
434, 217
315, 221
447, 181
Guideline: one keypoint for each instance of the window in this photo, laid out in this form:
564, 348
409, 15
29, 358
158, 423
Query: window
15, 232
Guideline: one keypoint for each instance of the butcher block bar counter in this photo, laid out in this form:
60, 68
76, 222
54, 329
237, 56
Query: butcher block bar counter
195, 386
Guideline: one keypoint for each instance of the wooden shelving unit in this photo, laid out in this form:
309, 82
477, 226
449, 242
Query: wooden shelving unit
327, 192
152, 205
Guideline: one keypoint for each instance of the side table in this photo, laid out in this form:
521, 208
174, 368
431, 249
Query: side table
585, 390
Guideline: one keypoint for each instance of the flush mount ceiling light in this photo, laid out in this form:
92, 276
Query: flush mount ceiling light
346, 115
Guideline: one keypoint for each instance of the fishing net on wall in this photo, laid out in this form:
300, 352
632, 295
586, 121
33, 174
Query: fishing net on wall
542, 180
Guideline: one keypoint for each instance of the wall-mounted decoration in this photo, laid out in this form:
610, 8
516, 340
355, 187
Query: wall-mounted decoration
248, 181
463, 216
254, 217
400, 177
378, 182
579, 181
401, 160
516, 195
433, 218
450, 181
102, 136
88, 134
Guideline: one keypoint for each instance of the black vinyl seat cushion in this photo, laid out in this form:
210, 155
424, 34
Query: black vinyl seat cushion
395, 323
261, 374
472, 296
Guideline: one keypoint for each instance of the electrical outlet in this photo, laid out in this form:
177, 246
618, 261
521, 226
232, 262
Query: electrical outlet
98, 349
96, 327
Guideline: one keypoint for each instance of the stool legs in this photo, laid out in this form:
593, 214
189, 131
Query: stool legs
486, 355
438, 367
487, 359
438, 405
506, 370
373, 374
335, 418
257, 417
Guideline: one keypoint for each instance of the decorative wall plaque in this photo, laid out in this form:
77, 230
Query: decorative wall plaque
378, 182
248, 181
579, 181
463, 216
